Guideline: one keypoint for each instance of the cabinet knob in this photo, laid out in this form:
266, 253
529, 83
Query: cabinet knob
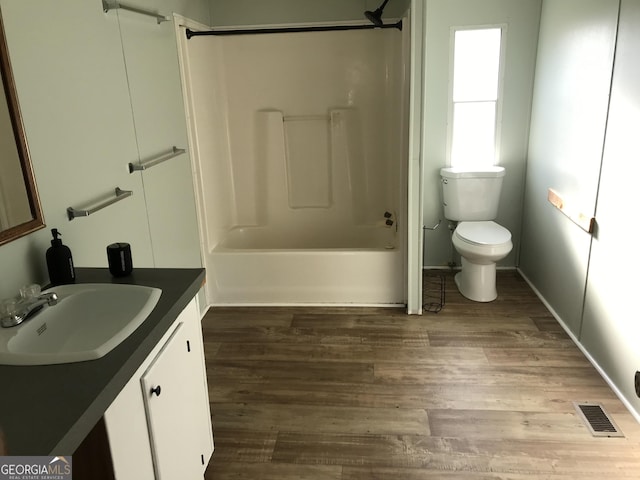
156, 390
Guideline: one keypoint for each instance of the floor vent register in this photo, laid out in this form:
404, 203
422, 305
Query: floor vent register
597, 420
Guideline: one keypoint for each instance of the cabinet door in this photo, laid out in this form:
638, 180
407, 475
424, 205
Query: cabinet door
176, 403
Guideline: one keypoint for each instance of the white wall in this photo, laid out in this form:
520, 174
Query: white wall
208, 107
255, 12
415, 233
74, 94
573, 77
151, 58
521, 18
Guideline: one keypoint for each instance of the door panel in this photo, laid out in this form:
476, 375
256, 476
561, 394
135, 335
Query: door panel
174, 401
568, 122
611, 330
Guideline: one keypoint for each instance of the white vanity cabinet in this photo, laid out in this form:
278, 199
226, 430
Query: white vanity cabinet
159, 426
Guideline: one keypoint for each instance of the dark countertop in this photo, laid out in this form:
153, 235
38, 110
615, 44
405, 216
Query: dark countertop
49, 410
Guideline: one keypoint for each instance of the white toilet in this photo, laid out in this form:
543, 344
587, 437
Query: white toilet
471, 197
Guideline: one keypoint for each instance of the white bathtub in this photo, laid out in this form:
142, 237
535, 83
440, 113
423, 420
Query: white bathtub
312, 266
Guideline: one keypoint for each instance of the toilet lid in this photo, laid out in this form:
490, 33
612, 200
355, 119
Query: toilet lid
483, 233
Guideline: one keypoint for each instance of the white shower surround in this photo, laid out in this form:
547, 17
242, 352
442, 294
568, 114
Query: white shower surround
281, 224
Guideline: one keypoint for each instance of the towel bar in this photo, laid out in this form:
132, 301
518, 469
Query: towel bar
174, 152
115, 4
120, 195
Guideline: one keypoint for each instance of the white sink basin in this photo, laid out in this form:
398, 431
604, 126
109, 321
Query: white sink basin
88, 322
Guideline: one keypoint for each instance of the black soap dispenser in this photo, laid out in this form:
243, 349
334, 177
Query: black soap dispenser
59, 261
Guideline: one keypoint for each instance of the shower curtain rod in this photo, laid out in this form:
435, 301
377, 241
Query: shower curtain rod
328, 28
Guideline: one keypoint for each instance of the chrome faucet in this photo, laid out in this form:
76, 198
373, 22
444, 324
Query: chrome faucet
25, 309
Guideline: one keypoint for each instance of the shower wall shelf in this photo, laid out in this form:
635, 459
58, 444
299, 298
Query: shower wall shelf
303, 118
120, 195
115, 4
174, 152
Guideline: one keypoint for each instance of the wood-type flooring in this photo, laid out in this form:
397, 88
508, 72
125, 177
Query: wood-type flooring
475, 392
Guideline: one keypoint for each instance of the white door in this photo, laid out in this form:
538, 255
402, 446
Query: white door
610, 328
176, 402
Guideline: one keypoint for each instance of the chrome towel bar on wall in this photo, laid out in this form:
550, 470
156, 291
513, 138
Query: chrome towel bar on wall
115, 4
174, 152
120, 195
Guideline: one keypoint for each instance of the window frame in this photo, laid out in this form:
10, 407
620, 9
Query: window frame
500, 93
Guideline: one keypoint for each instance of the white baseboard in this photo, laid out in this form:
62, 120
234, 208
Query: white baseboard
585, 352
309, 304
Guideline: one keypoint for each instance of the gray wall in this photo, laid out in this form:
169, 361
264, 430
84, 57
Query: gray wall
584, 144
521, 18
573, 76
80, 116
610, 328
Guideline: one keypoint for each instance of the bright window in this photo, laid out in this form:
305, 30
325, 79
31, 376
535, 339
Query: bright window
475, 96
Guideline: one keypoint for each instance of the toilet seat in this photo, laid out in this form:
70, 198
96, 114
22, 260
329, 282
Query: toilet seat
486, 233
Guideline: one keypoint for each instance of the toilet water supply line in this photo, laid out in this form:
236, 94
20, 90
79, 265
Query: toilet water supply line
452, 227
435, 227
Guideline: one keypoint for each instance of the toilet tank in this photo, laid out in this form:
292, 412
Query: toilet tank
471, 195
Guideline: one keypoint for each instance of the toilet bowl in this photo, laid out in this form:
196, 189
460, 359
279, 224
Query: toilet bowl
480, 244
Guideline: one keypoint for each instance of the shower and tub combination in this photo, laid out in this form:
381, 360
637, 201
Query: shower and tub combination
301, 146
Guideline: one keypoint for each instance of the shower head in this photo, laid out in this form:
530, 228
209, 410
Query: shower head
375, 17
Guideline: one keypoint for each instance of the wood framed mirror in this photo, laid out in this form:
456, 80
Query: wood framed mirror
20, 210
